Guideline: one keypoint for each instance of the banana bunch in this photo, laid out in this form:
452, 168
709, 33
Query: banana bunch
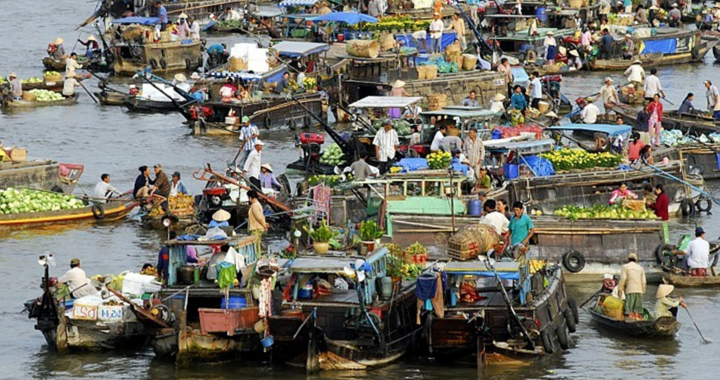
537, 265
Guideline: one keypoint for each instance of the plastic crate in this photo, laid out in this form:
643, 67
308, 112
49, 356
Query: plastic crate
227, 320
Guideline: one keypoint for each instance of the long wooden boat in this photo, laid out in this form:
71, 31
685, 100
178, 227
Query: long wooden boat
138, 104
12, 104
52, 64
105, 212
697, 124
648, 61
541, 323
162, 57
338, 331
691, 281
109, 98
45, 175
665, 327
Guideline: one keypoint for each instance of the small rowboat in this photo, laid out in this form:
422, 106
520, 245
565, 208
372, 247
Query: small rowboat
111, 98
681, 281
648, 61
664, 327
9, 103
105, 212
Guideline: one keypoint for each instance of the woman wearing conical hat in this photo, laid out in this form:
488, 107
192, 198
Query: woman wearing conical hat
666, 306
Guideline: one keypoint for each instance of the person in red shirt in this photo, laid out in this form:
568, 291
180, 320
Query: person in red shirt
661, 203
634, 147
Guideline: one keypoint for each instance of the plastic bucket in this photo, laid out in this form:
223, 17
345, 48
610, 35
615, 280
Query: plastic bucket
475, 207
69, 304
234, 302
306, 293
510, 170
496, 134
267, 341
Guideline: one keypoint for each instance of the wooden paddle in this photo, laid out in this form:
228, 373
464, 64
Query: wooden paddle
88, 92
702, 338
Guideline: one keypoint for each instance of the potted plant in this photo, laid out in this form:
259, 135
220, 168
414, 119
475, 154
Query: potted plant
321, 237
369, 232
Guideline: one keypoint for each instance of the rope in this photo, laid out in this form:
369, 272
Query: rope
673, 178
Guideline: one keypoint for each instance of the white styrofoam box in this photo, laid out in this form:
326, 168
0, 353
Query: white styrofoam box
138, 284
258, 62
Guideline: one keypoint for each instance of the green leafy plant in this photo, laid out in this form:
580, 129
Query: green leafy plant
369, 231
322, 234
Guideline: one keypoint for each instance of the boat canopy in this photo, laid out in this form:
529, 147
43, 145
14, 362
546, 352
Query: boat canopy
524, 147
268, 12
297, 3
505, 270
611, 130
299, 49
346, 17
137, 20
386, 102
331, 264
461, 112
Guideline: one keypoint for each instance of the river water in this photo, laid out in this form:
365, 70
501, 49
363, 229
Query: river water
109, 140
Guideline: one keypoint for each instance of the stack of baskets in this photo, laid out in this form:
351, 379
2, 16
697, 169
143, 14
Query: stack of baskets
437, 101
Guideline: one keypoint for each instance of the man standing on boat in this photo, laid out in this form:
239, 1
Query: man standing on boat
104, 189
474, 152
251, 169
632, 284
436, 32
386, 143
713, 99
535, 89
636, 74
161, 14
609, 96
653, 86
606, 43
256, 220
15, 87
69, 85
71, 64
494, 218
249, 134
162, 186
697, 254
521, 227
589, 113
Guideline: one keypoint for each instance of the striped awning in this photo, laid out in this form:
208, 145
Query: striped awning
298, 3
240, 75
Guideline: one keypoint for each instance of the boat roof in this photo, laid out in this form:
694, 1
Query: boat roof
331, 264
266, 11
386, 101
137, 20
297, 3
299, 49
461, 112
528, 145
610, 129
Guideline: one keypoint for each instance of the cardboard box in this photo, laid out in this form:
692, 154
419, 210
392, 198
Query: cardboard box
18, 154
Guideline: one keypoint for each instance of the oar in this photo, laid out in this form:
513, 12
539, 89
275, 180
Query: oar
702, 338
88, 92
669, 102
588, 300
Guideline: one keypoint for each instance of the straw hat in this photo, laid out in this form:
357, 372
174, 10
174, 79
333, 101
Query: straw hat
195, 76
674, 5
549, 33
75, 261
608, 79
58, 41
183, 15
12, 75
499, 97
267, 167
221, 215
552, 115
632, 256
259, 142
398, 83
574, 53
654, 8
637, 62
562, 50
180, 77
664, 290
92, 38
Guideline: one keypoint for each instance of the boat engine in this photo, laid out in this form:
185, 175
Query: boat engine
310, 145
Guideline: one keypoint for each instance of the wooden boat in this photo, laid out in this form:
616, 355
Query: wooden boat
11, 104
50, 86
162, 57
648, 61
139, 104
105, 212
45, 175
337, 331
695, 123
691, 281
52, 64
496, 329
110, 98
665, 327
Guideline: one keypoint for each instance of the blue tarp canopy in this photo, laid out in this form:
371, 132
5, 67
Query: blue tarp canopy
346, 17
528, 146
137, 20
659, 46
611, 130
299, 49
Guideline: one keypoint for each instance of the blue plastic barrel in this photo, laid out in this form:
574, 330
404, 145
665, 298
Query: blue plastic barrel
510, 170
496, 134
475, 207
306, 293
540, 13
234, 302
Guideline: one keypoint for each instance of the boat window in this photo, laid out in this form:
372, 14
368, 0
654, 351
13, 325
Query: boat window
432, 188
414, 189
396, 188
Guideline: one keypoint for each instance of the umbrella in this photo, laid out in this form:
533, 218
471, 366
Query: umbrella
346, 17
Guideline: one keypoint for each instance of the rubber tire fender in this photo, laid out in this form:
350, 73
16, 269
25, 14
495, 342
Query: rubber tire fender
572, 304
163, 64
153, 63
530, 56
687, 208
659, 252
569, 258
708, 205
562, 335
570, 320
98, 211
548, 341
188, 63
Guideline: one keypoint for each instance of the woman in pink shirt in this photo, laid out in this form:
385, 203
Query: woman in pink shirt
621, 193
634, 147
655, 108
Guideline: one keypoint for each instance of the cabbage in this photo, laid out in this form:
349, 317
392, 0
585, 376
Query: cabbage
13, 201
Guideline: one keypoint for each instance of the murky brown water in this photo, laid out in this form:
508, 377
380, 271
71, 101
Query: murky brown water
107, 139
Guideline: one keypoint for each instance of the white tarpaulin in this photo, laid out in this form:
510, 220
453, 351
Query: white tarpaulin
256, 58
386, 101
151, 93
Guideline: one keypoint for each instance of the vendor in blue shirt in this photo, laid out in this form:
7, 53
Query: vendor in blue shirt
521, 227
606, 44
518, 101
220, 219
162, 14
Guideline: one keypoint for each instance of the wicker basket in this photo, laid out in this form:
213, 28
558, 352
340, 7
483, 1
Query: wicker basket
422, 72
635, 205
472, 241
431, 72
437, 101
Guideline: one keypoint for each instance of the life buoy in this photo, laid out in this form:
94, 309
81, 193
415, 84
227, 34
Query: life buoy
573, 261
703, 205
153, 63
267, 122
663, 254
562, 335
547, 341
572, 304
570, 319
530, 56
687, 208
98, 211
163, 64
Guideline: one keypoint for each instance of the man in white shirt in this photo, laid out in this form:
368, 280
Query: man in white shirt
590, 113
697, 255
652, 86
535, 89
104, 189
436, 31
494, 218
194, 28
386, 143
636, 74
249, 134
71, 65
232, 14
77, 281
69, 85
251, 169
437, 139
713, 99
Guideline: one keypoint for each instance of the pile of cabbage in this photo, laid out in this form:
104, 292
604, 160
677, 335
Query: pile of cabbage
333, 155
46, 96
675, 137
17, 201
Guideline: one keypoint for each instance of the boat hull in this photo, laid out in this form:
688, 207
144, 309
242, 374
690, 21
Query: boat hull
664, 327
161, 57
10, 104
691, 281
110, 212
648, 61
40, 175
111, 98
